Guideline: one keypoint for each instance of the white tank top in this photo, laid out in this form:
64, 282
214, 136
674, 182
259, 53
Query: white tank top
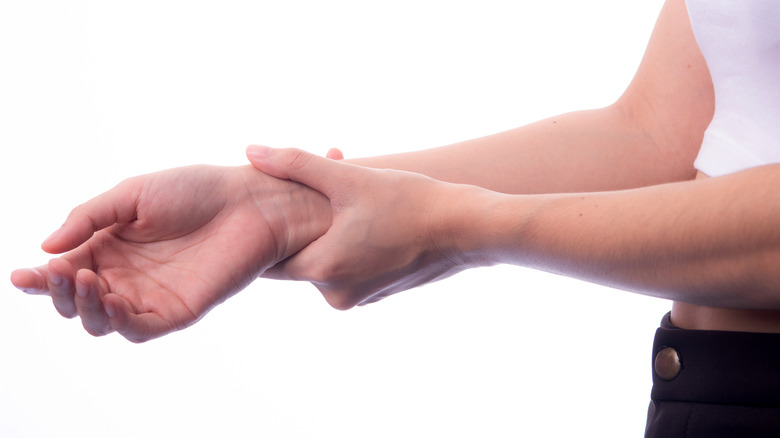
740, 40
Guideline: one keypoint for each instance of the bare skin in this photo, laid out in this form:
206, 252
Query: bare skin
700, 242
697, 317
157, 252
566, 194
650, 137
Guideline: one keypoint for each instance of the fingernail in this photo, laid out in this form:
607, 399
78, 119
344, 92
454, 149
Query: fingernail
258, 152
37, 273
39, 281
55, 279
82, 290
110, 311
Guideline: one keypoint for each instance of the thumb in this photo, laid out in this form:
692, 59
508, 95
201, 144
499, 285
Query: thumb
117, 205
317, 172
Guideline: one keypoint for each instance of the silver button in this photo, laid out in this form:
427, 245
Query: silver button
667, 363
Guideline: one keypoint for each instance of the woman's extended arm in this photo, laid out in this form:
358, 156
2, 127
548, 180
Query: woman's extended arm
712, 242
651, 135
387, 236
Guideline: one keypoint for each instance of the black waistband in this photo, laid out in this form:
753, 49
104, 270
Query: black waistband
719, 367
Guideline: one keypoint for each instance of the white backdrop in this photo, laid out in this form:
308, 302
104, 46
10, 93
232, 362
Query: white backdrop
92, 92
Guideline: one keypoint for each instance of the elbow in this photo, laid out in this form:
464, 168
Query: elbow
672, 133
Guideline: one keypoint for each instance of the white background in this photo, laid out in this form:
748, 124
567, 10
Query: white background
92, 92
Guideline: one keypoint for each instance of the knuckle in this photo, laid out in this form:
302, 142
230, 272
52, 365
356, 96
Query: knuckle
339, 300
76, 213
328, 279
82, 217
297, 159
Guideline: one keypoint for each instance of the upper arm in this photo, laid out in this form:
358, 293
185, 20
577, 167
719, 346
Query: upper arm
651, 135
671, 96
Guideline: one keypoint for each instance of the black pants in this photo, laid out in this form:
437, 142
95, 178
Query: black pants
714, 384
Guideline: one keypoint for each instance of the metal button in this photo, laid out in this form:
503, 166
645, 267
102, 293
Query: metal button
667, 363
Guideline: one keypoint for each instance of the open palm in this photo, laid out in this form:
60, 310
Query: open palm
157, 252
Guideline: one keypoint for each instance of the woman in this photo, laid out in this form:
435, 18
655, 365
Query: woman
617, 195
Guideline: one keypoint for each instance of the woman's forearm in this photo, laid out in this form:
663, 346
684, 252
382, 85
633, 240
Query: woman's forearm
713, 242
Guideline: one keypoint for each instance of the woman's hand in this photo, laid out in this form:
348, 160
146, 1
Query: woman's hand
158, 251
390, 231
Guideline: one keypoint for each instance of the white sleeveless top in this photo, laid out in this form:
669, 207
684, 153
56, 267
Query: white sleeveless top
740, 40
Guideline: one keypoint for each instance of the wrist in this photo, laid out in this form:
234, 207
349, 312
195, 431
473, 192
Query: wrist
295, 214
484, 228
305, 216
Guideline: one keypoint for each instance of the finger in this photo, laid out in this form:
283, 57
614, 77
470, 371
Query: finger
35, 281
319, 173
305, 265
374, 299
89, 290
62, 287
117, 205
277, 272
31, 280
339, 299
134, 327
335, 154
